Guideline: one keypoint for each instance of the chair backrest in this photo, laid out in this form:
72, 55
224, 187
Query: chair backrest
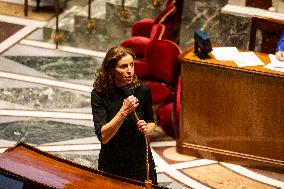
271, 33
157, 31
165, 14
170, 2
162, 59
171, 18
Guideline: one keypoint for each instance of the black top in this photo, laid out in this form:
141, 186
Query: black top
125, 153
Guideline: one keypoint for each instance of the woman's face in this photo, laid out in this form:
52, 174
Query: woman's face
124, 71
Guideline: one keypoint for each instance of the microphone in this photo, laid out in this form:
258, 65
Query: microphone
128, 91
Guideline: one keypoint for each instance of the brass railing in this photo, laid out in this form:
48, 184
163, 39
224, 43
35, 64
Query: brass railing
58, 36
90, 24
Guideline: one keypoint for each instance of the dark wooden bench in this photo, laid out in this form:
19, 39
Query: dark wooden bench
271, 32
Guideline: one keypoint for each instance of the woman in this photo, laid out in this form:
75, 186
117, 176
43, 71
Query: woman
123, 146
280, 49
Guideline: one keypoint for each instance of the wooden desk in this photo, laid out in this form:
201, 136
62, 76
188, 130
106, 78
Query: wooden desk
26, 167
230, 113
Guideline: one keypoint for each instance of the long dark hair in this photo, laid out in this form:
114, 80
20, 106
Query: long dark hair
104, 82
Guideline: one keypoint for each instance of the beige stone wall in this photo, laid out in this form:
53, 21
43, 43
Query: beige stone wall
277, 6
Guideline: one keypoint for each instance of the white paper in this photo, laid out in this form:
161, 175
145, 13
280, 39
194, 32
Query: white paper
247, 59
225, 53
275, 64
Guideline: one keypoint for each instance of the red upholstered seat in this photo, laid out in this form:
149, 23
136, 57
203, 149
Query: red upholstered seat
141, 69
159, 71
138, 43
160, 93
162, 59
143, 27
170, 2
165, 117
167, 17
169, 114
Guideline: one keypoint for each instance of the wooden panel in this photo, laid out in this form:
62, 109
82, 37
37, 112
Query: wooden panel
33, 166
232, 113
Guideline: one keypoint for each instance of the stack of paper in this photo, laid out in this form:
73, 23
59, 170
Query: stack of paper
275, 64
225, 53
233, 54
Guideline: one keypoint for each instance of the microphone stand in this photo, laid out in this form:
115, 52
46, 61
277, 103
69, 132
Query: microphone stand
148, 182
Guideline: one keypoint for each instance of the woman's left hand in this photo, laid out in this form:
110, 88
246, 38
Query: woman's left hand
143, 127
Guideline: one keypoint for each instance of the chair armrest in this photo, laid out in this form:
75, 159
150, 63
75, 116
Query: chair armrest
137, 44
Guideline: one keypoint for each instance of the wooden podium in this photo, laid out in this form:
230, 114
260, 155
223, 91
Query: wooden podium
231, 113
25, 167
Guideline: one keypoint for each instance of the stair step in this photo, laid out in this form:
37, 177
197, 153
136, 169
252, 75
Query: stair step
66, 19
111, 27
106, 13
101, 13
98, 12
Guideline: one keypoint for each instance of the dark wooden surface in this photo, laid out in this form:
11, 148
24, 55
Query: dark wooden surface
262, 4
271, 30
230, 113
39, 169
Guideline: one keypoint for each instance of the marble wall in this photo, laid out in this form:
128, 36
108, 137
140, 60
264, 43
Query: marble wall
226, 22
235, 25
234, 30
277, 5
202, 14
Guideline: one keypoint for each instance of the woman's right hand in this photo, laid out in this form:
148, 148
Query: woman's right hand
129, 104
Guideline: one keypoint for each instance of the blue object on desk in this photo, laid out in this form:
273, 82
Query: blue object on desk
280, 46
202, 44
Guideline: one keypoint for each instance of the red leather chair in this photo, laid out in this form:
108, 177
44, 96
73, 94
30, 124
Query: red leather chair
138, 43
159, 71
169, 114
167, 17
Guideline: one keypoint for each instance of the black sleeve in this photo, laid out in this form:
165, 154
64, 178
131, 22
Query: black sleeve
148, 110
99, 113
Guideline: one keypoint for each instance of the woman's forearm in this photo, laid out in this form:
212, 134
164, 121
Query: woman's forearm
109, 129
